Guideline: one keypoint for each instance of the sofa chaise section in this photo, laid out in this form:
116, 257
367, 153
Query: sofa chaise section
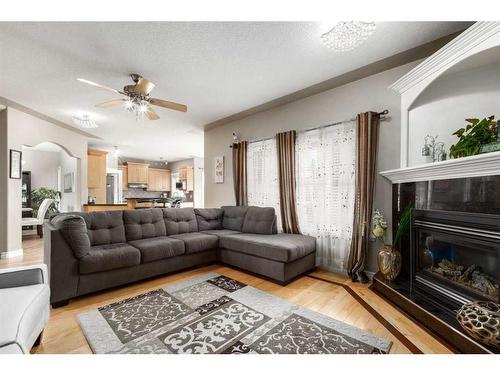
260, 249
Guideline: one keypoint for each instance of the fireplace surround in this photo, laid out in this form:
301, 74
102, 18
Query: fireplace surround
452, 255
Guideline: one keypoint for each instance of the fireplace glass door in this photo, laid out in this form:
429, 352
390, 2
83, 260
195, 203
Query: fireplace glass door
462, 267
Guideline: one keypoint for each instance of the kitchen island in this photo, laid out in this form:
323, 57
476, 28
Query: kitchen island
105, 207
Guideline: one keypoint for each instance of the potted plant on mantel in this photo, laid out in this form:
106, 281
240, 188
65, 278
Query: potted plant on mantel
389, 257
478, 136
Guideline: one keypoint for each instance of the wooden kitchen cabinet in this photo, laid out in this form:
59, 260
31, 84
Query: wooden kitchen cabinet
124, 170
137, 173
96, 174
158, 179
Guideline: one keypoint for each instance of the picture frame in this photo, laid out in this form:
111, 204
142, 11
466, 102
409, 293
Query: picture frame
219, 169
68, 181
15, 164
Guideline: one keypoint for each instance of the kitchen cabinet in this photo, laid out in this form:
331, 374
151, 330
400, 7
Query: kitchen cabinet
187, 174
96, 174
137, 173
124, 170
158, 179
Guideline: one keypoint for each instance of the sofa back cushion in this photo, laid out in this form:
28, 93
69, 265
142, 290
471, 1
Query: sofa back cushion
209, 218
259, 220
179, 220
234, 217
144, 223
105, 227
74, 231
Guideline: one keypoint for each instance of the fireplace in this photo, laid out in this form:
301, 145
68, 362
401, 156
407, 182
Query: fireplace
452, 255
456, 255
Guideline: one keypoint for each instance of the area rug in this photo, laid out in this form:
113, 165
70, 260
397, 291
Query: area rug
216, 314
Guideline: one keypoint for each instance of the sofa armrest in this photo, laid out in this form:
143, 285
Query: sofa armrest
63, 266
23, 276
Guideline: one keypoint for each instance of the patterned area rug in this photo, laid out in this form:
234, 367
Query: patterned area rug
216, 314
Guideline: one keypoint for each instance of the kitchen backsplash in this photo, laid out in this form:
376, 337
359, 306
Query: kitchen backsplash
140, 193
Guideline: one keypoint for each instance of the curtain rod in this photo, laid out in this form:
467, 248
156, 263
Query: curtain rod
379, 114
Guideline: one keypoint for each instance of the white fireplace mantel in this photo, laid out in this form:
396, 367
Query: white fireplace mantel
472, 166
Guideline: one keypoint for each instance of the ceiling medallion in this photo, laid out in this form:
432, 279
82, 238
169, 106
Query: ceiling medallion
347, 35
85, 122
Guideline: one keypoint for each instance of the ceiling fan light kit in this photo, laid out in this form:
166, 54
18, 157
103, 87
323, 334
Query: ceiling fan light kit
138, 100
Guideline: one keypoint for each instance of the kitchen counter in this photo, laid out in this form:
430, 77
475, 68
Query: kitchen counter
104, 207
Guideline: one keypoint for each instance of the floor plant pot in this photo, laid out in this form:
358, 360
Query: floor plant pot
389, 262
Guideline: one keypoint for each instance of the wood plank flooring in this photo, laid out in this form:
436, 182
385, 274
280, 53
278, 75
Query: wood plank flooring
322, 291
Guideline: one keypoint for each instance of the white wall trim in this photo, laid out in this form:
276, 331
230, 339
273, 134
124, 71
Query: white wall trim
479, 37
448, 55
11, 254
472, 166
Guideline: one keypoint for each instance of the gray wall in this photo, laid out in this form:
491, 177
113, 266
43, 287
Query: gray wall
341, 103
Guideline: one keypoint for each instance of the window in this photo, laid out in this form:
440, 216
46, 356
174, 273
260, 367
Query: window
325, 162
262, 176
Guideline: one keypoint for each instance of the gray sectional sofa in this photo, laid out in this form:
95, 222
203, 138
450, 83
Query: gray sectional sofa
88, 252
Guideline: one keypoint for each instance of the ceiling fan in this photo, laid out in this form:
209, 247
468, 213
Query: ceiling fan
138, 100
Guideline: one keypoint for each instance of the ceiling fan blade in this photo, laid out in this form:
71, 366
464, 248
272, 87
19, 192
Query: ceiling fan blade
144, 87
98, 85
151, 114
110, 103
169, 105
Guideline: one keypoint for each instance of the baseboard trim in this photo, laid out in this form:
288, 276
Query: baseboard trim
11, 254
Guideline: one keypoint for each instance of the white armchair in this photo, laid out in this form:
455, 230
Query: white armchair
24, 308
38, 220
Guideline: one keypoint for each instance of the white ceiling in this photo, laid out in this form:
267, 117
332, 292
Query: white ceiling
216, 68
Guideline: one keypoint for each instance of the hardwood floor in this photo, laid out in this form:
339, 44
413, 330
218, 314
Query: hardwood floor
325, 292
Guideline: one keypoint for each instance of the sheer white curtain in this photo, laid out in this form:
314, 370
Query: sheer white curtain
325, 162
262, 176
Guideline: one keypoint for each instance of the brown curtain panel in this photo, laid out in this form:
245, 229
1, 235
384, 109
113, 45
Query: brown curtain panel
367, 133
240, 172
285, 143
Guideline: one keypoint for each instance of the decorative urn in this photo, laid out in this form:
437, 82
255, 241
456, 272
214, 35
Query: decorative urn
389, 262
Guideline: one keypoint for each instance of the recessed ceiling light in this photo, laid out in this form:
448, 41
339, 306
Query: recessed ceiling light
346, 36
85, 122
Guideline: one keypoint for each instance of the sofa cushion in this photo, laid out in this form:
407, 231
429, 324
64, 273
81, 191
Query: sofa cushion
209, 218
221, 232
259, 220
109, 257
104, 227
24, 312
179, 220
196, 242
74, 231
144, 223
158, 248
282, 247
233, 217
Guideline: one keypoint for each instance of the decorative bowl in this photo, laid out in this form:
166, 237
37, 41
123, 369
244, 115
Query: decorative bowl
481, 320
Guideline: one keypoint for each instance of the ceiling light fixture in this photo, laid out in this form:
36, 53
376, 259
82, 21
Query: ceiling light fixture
85, 122
138, 107
348, 35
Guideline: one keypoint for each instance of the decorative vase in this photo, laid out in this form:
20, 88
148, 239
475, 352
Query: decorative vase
389, 262
481, 320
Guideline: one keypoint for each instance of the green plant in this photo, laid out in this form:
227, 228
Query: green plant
473, 136
37, 197
403, 225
